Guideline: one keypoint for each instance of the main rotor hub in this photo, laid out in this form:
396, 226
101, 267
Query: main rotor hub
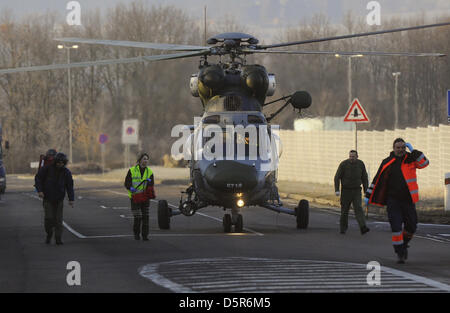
232, 40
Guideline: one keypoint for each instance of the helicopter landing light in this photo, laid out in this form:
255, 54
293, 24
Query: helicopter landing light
240, 203
239, 194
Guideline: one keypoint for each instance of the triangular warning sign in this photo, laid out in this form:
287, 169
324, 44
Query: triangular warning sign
356, 113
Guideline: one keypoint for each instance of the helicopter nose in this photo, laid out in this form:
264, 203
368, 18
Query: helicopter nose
231, 176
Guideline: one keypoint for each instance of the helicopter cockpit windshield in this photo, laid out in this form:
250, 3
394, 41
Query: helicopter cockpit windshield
233, 102
250, 143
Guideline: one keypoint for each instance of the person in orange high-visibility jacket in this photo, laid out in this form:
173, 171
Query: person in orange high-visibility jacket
395, 185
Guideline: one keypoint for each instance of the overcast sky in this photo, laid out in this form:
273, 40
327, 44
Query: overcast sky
255, 14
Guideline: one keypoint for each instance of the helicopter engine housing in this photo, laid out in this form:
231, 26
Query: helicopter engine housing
211, 80
256, 80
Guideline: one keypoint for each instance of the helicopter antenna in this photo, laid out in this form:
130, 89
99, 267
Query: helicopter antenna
204, 25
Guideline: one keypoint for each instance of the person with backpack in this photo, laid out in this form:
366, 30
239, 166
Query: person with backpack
52, 182
140, 184
47, 159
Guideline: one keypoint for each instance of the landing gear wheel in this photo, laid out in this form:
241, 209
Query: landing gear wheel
239, 225
227, 223
164, 214
302, 213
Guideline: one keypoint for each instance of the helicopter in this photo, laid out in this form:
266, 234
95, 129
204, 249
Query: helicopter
241, 171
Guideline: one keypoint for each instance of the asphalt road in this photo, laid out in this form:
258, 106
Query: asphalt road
271, 255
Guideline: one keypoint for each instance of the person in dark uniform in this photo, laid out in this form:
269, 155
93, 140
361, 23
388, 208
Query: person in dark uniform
395, 185
351, 173
52, 182
135, 176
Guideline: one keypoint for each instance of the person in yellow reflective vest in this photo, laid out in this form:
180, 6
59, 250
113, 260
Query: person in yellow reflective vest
137, 174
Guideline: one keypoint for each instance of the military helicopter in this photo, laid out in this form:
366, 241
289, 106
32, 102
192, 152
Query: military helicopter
233, 94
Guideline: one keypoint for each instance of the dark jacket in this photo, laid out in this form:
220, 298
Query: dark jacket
352, 175
54, 183
378, 191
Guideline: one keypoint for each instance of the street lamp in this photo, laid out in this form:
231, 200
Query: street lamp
396, 75
68, 48
349, 73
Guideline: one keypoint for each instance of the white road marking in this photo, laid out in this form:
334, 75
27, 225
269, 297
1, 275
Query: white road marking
240, 274
419, 224
201, 214
81, 236
428, 238
417, 278
73, 231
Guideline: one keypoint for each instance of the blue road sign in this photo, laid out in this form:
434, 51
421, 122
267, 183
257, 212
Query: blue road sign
103, 138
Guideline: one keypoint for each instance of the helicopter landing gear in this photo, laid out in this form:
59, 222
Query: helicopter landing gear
302, 213
227, 223
235, 219
188, 208
164, 214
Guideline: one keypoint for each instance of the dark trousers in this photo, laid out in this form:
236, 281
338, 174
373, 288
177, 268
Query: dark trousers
351, 196
141, 218
53, 218
403, 219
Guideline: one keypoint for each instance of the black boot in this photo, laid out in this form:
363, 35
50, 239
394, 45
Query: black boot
402, 255
364, 230
48, 225
405, 250
400, 258
48, 239
137, 237
59, 242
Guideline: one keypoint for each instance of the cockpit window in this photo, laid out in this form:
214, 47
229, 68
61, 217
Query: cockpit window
255, 119
212, 119
241, 145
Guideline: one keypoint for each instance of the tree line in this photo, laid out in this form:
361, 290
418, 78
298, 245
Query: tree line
34, 105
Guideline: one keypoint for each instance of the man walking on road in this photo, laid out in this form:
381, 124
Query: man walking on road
395, 185
351, 173
138, 179
52, 182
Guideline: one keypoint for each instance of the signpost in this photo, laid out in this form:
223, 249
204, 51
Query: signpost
356, 114
130, 136
103, 139
448, 106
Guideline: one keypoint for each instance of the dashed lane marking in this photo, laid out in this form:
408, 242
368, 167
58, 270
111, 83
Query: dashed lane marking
201, 214
81, 236
240, 274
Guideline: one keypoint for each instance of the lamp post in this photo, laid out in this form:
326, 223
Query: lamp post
396, 75
349, 76
68, 48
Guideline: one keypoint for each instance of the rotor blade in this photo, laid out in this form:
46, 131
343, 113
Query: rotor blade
133, 44
351, 36
354, 53
103, 62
